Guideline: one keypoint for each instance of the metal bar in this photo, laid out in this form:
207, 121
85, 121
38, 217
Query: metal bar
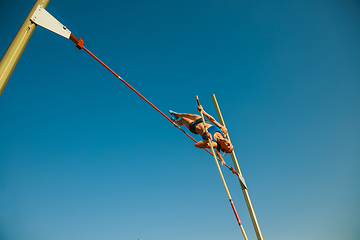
241, 179
17, 46
79, 44
222, 177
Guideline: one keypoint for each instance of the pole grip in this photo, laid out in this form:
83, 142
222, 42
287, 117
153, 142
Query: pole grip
197, 99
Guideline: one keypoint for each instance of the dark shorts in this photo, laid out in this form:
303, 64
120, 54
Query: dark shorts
192, 125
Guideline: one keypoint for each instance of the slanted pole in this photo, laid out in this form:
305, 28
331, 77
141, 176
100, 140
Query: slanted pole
17, 46
241, 179
222, 178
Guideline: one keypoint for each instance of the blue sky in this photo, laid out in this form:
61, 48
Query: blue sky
83, 157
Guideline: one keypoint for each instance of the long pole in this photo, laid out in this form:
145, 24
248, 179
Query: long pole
222, 177
241, 179
17, 46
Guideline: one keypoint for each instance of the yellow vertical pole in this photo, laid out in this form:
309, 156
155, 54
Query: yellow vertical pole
222, 177
17, 46
242, 182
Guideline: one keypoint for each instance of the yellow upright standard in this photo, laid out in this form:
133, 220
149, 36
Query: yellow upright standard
17, 46
241, 179
222, 176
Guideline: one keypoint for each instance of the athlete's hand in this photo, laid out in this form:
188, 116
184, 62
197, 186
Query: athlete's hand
224, 130
200, 108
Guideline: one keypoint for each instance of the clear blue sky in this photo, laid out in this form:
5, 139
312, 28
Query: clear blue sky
83, 157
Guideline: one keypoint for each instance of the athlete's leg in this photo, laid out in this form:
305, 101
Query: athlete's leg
184, 121
192, 117
187, 120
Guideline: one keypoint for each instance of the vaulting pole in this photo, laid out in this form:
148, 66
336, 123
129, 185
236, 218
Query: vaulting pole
17, 46
241, 179
222, 177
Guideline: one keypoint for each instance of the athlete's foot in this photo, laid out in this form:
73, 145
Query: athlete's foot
173, 113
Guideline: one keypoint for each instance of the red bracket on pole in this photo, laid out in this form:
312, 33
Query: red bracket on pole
79, 42
233, 171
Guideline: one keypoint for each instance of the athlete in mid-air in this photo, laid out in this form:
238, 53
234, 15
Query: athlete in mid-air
215, 131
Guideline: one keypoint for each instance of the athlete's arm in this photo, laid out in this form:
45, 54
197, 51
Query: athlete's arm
212, 120
205, 144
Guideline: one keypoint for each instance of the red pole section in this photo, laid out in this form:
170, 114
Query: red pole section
236, 214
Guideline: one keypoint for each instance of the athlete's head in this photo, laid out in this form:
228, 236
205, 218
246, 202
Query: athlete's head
226, 146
